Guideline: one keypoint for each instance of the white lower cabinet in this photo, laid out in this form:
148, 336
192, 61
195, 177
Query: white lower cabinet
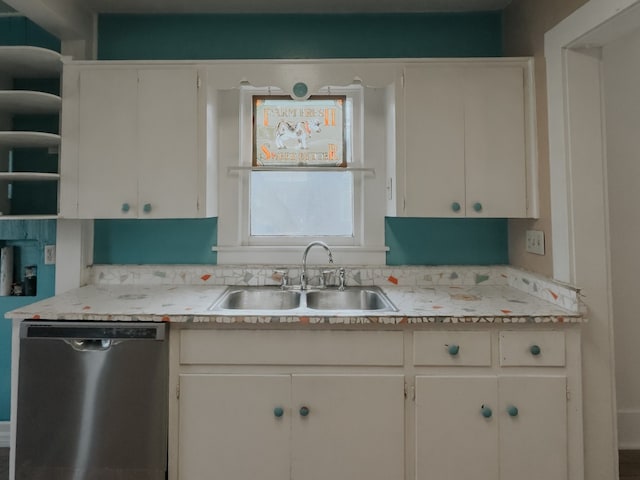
229, 428
314, 421
354, 427
453, 439
291, 426
533, 438
487, 404
491, 427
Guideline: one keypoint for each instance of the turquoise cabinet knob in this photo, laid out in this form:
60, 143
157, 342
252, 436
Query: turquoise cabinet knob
300, 89
486, 411
512, 410
535, 350
147, 207
278, 411
453, 349
455, 206
477, 207
125, 207
304, 411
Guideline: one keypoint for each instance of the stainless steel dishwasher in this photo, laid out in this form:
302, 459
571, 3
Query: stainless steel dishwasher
92, 401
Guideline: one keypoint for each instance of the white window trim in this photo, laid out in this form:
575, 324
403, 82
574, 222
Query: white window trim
354, 154
233, 108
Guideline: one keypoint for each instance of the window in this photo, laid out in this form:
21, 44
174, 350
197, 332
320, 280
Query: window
297, 202
277, 196
301, 204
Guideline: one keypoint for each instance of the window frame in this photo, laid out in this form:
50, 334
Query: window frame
353, 151
233, 110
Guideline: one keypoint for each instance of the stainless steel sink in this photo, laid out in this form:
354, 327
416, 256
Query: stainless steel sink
257, 298
254, 300
351, 298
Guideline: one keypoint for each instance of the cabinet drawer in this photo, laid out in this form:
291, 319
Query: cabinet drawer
290, 347
539, 349
452, 348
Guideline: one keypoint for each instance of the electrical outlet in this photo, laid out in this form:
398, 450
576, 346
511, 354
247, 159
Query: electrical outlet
49, 254
535, 242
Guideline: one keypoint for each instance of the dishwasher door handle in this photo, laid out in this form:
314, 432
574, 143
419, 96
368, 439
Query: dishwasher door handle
86, 331
90, 344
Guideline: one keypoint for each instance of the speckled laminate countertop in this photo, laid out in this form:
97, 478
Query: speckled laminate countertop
191, 303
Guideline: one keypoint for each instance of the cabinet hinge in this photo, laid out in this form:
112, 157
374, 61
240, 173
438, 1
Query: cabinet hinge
568, 394
178, 390
402, 80
198, 82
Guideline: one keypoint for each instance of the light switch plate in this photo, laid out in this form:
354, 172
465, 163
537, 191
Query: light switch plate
535, 242
49, 254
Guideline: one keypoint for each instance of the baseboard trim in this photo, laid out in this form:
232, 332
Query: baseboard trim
629, 429
5, 434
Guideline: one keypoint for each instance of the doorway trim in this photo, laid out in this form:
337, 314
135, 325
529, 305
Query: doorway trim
579, 205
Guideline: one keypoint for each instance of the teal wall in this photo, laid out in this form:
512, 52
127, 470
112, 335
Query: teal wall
446, 241
155, 241
412, 240
237, 36
28, 237
17, 30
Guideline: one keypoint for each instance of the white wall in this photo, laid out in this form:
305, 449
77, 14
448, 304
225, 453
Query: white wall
621, 73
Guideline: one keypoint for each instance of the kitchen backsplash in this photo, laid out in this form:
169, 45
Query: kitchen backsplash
559, 294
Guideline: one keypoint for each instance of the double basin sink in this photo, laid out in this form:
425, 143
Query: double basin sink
352, 300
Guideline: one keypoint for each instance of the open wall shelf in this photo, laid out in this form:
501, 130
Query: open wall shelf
13, 139
29, 62
23, 144
27, 102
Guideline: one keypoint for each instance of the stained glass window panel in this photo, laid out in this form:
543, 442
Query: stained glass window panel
289, 132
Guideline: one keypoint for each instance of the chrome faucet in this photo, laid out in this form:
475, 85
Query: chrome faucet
303, 275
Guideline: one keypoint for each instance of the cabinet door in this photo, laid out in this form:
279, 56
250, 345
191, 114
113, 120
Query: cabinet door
354, 427
229, 429
107, 143
454, 440
495, 141
168, 143
533, 442
434, 141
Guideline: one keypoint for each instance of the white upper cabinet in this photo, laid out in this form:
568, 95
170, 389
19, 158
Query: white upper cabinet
107, 147
133, 143
144, 140
495, 147
466, 142
433, 140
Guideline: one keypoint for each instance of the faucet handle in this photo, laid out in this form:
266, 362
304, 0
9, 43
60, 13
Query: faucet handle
282, 275
341, 278
325, 276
